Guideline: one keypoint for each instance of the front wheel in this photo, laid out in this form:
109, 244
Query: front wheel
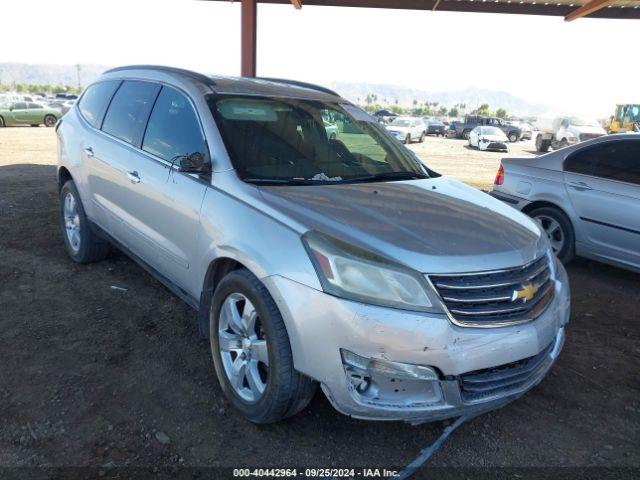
421, 139
558, 229
50, 120
1, 122
466, 134
407, 139
251, 351
513, 137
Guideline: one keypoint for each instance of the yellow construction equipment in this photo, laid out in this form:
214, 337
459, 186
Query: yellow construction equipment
625, 119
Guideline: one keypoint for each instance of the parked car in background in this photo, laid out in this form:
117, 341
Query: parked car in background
434, 127
526, 128
408, 129
586, 197
385, 116
365, 275
564, 131
488, 138
463, 129
331, 129
27, 113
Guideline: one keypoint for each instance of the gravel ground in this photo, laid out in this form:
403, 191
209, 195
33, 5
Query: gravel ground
99, 379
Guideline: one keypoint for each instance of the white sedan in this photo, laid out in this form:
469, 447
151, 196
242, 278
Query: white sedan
488, 138
408, 129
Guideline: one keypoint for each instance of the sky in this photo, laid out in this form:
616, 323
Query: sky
585, 66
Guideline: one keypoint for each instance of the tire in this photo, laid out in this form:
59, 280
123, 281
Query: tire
407, 139
563, 143
89, 247
513, 137
332, 136
1, 122
545, 216
421, 139
466, 134
542, 145
50, 120
285, 392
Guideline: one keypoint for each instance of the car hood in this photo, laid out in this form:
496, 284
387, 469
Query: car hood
493, 138
589, 129
433, 225
397, 129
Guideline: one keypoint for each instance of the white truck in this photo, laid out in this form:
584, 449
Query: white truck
562, 131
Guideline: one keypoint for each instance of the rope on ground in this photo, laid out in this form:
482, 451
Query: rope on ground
426, 453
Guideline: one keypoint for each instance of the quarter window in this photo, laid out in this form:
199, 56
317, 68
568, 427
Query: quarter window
173, 127
129, 111
95, 99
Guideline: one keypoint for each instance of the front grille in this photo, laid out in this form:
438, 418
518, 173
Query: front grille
496, 146
497, 298
500, 381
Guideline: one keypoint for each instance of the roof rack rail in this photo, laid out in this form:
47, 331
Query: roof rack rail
299, 84
187, 73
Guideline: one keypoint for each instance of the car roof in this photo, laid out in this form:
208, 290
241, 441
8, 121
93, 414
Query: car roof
272, 87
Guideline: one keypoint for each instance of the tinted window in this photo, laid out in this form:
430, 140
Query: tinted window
20, 106
95, 100
34, 105
620, 161
612, 160
173, 127
129, 111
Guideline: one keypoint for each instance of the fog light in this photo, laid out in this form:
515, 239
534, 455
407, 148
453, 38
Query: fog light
388, 368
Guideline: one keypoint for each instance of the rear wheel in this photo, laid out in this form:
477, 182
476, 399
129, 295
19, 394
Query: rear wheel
466, 134
251, 351
513, 137
50, 120
83, 245
541, 144
407, 139
422, 135
1, 122
559, 230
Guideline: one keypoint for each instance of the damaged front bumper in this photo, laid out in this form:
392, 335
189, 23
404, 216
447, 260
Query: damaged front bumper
385, 364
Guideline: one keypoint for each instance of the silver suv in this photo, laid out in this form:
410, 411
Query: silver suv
315, 247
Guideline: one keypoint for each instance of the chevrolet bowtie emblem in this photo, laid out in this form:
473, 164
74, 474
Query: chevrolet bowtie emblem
526, 293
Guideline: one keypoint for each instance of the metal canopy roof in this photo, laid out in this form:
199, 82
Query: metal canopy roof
570, 9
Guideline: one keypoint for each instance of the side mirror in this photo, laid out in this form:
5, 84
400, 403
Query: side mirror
194, 163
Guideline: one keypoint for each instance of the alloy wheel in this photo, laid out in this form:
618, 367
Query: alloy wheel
72, 222
243, 348
554, 232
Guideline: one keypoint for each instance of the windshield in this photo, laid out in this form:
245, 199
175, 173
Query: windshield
583, 122
284, 140
491, 131
401, 122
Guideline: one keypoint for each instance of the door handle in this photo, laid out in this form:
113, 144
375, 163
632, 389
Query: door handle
88, 151
581, 186
134, 177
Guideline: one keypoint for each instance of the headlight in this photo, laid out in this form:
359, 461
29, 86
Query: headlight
349, 272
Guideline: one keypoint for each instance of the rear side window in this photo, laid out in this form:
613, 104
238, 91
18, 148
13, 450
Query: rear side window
34, 105
95, 100
129, 111
618, 160
173, 127
621, 162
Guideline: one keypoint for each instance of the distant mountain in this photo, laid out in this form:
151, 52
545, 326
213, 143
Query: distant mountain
471, 97
49, 74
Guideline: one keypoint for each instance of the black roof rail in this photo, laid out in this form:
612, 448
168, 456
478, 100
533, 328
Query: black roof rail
187, 73
297, 83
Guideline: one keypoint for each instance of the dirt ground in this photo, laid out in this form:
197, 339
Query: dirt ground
102, 382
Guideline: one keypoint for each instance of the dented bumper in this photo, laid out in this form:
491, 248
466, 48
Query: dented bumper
387, 364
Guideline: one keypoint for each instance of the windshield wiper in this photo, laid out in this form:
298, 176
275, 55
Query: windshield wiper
288, 181
381, 177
